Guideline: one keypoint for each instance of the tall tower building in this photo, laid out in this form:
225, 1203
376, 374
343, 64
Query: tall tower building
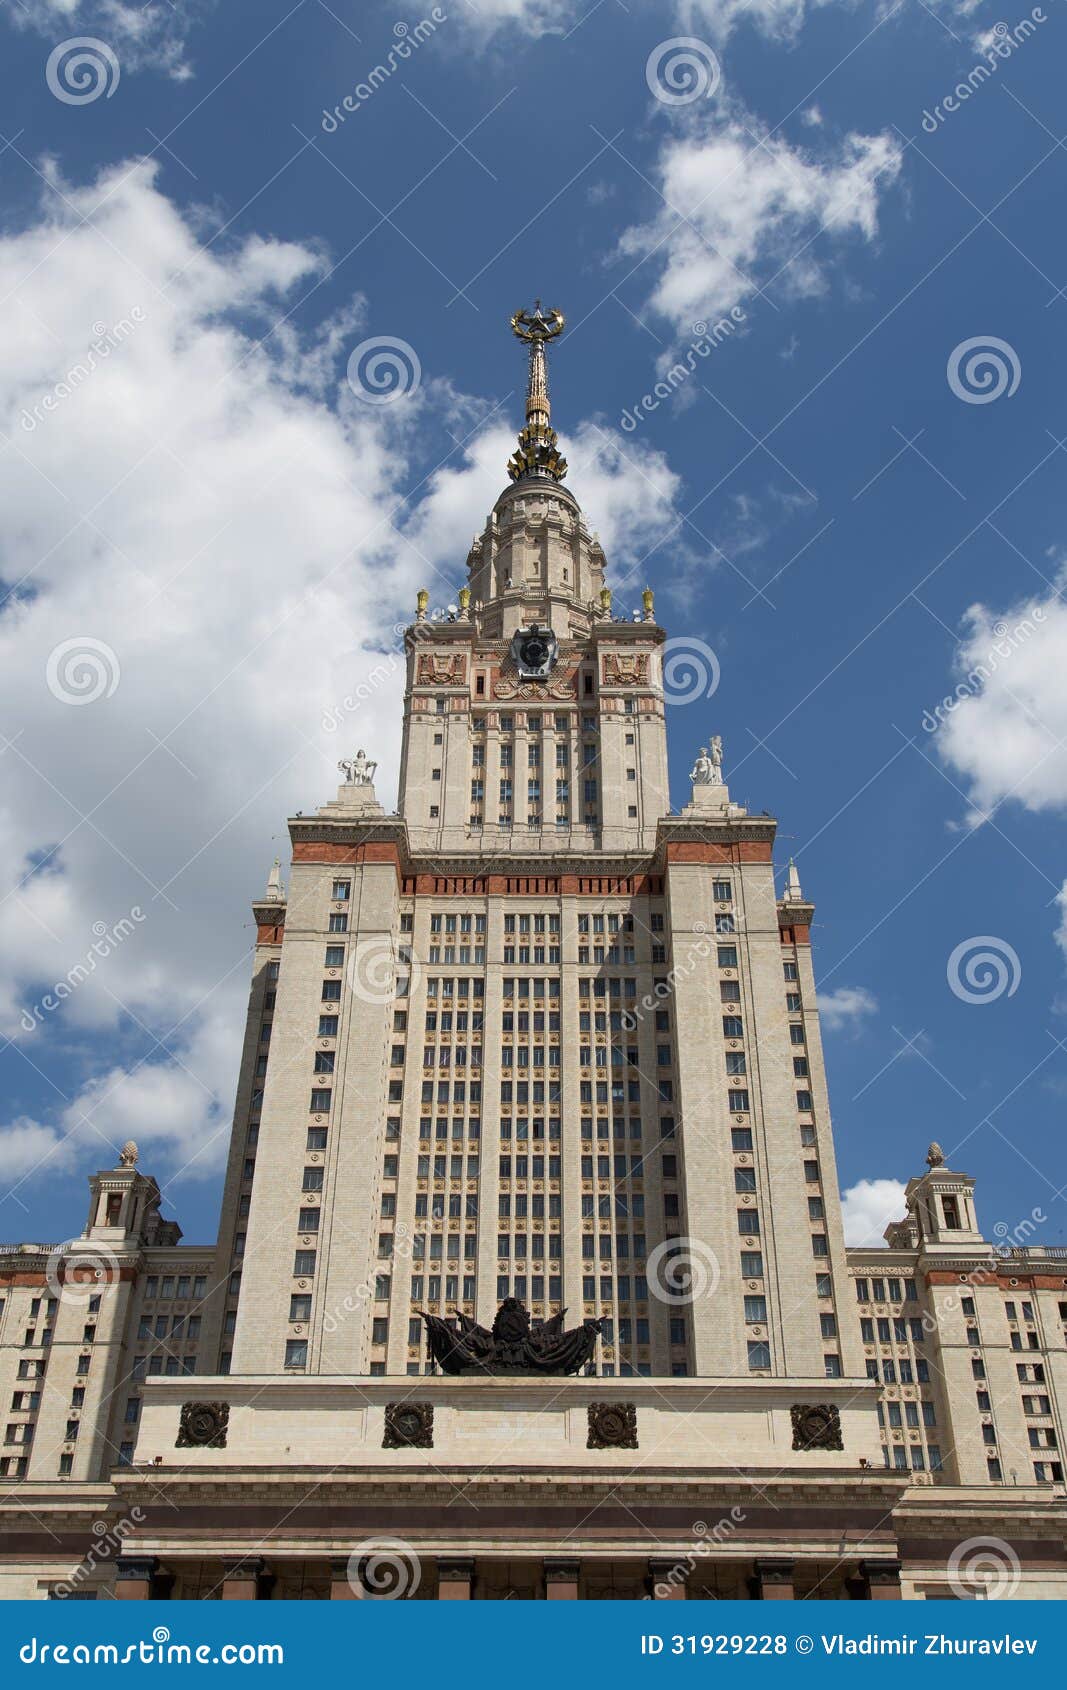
535, 1035
534, 1039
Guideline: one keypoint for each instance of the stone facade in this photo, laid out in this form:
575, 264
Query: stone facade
533, 1036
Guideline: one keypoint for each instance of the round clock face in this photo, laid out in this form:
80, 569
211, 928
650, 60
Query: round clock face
535, 650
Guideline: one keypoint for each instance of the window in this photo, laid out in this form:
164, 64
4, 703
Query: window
756, 1310
759, 1356
300, 1308
304, 1264
296, 1352
341, 891
320, 1102
751, 1264
741, 1138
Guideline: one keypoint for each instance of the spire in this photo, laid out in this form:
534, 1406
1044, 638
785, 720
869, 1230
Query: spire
275, 889
537, 452
793, 893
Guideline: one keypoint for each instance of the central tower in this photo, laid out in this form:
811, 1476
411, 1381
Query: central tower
535, 1036
533, 716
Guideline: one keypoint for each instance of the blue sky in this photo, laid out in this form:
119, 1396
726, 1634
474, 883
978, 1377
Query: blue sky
226, 532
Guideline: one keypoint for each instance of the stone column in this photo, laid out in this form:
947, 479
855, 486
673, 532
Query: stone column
561, 1580
882, 1579
455, 1576
241, 1580
773, 1581
666, 1581
133, 1577
340, 1583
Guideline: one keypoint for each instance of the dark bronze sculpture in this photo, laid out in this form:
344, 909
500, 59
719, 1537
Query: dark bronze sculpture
408, 1425
513, 1345
816, 1426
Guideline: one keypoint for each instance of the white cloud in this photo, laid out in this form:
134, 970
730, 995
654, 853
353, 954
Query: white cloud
213, 507
738, 216
142, 36
845, 1007
1004, 726
779, 20
1061, 931
868, 1208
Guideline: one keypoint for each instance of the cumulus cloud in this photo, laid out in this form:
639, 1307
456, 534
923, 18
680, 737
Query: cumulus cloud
208, 543
738, 216
868, 1208
845, 1008
1003, 726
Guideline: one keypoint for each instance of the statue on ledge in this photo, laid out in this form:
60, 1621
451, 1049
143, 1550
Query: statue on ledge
513, 1345
707, 770
357, 770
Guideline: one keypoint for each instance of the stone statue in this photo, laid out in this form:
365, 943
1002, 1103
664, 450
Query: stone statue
357, 770
703, 771
716, 760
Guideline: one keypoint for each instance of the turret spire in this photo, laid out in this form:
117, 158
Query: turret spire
538, 450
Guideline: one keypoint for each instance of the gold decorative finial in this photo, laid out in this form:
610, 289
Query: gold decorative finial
649, 604
538, 449
422, 599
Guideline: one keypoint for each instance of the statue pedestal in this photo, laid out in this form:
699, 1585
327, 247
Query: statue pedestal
711, 801
353, 800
